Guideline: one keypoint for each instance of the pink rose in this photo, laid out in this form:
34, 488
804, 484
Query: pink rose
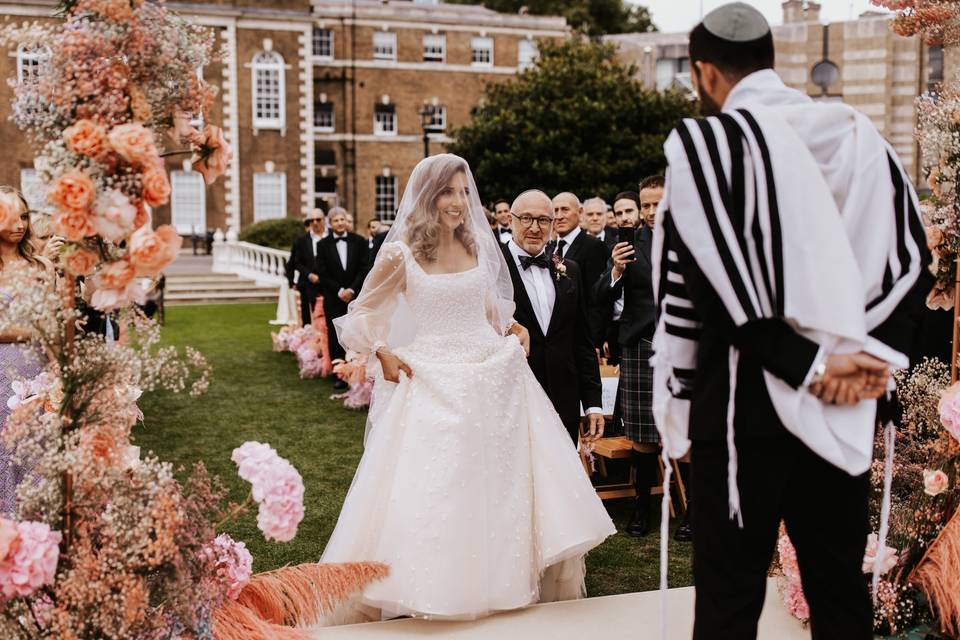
151, 251
33, 563
86, 137
887, 558
114, 216
73, 225
949, 408
934, 237
134, 143
80, 262
8, 535
73, 191
935, 482
213, 157
156, 187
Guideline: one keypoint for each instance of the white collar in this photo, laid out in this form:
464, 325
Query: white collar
571, 235
314, 236
763, 88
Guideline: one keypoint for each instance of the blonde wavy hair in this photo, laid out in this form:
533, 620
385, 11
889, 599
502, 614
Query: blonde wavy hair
423, 226
25, 247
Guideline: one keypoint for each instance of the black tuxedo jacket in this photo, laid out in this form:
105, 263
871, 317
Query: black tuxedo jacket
563, 360
375, 248
302, 261
334, 277
638, 319
610, 237
590, 254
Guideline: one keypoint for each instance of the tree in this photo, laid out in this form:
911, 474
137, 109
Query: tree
576, 121
590, 17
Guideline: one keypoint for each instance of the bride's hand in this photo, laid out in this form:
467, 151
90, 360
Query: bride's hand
392, 366
517, 329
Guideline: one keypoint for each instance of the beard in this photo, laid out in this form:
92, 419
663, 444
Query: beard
708, 106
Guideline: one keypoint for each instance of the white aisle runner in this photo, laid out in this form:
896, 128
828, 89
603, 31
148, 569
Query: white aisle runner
630, 616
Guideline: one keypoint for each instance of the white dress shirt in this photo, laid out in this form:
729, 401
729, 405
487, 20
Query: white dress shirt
568, 240
504, 233
342, 252
542, 294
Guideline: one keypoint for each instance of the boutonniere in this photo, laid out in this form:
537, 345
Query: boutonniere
559, 269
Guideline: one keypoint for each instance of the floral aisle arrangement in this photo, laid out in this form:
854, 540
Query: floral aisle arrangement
307, 345
353, 371
917, 586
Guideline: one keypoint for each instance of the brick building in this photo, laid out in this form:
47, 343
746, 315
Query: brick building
321, 100
867, 66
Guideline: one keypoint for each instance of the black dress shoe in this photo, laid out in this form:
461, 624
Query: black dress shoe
340, 385
684, 532
638, 526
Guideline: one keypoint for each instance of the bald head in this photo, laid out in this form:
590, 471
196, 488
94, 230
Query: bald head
532, 220
567, 211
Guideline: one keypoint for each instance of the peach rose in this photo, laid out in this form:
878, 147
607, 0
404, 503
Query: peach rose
213, 157
934, 482
74, 191
151, 251
116, 286
116, 275
934, 237
73, 225
8, 536
156, 187
142, 218
134, 143
87, 138
115, 215
80, 262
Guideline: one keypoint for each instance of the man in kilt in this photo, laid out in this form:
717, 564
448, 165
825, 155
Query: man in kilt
627, 285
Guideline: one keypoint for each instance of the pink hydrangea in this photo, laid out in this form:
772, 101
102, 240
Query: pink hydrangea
275, 485
788, 557
950, 410
795, 601
234, 564
32, 560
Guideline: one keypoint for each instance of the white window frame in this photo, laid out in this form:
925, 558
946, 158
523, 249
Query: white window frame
435, 47
379, 120
387, 39
263, 200
265, 64
187, 189
481, 44
317, 38
385, 198
197, 120
30, 56
526, 53
31, 186
439, 118
325, 128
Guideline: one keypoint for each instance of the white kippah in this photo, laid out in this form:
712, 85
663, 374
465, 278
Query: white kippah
736, 22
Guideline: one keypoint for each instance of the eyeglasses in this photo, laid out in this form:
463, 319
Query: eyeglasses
527, 221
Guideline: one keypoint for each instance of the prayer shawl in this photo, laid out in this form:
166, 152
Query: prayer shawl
792, 209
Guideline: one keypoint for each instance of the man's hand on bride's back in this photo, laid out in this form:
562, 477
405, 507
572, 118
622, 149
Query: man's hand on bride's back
517, 329
392, 366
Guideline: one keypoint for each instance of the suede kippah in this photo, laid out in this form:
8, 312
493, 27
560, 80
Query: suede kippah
736, 22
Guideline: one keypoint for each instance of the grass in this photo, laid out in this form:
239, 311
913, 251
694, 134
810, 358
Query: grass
257, 395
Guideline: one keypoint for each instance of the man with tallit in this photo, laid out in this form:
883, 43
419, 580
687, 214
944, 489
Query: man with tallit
786, 256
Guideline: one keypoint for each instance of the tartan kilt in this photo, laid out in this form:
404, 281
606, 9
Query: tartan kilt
635, 393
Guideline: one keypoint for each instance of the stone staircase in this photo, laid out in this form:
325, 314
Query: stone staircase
211, 288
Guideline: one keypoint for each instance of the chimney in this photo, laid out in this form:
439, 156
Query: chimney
795, 11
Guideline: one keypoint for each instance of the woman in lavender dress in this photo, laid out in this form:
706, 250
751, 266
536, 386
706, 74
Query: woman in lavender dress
20, 358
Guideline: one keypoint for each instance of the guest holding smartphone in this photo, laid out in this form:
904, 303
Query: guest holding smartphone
628, 286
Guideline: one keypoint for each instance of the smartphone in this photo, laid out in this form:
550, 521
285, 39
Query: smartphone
628, 235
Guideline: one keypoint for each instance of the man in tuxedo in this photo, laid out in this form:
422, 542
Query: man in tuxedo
588, 252
342, 263
501, 211
595, 222
302, 261
550, 303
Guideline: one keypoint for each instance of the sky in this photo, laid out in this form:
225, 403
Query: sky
682, 15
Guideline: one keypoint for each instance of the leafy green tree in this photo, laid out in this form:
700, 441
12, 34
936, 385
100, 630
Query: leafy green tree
591, 17
575, 121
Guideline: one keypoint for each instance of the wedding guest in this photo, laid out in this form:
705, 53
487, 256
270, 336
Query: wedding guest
627, 286
341, 266
301, 268
651, 193
491, 219
779, 425
588, 252
501, 211
551, 303
595, 219
611, 219
350, 228
20, 357
373, 227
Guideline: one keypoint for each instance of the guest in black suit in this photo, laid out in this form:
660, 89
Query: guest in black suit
627, 287
551, 305
302, 262
588, 252
342, 259
594, 222
503, 229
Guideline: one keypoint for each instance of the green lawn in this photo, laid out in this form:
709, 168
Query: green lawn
257, 395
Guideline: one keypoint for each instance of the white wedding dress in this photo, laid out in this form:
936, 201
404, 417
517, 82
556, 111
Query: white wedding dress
469, 487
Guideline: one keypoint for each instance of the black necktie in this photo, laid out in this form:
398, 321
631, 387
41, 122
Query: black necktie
560, 246
534, 261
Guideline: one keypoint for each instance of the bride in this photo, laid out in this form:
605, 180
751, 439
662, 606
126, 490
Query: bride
469, 487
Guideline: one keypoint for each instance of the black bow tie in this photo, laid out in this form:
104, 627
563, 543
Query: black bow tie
534, 261
506, 230
341, 238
